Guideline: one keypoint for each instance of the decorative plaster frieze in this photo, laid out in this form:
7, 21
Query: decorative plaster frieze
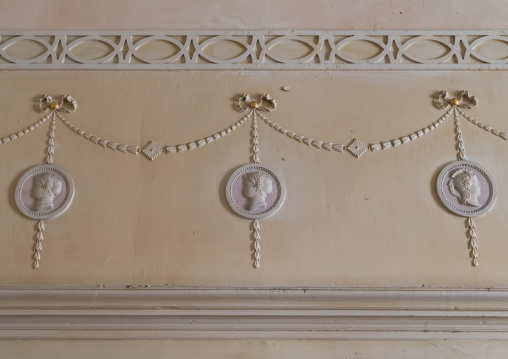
248, 196
254, 50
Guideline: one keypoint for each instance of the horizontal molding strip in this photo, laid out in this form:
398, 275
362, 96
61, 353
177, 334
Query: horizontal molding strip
254, 50
140, 312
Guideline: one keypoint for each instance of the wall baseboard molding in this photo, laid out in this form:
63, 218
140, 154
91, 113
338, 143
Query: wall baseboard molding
141, 312
254, 50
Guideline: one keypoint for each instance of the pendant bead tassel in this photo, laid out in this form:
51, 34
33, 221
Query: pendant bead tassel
458, 132
39, 237
254, 141
255, 159
473, 246
256, 245
51, 141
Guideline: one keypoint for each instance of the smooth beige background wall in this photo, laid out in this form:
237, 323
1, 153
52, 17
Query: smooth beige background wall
373, 221
263, 14
247, 349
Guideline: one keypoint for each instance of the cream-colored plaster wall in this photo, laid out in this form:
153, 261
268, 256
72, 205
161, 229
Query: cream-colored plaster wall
346, 222
263, 14
247, 349
373, 221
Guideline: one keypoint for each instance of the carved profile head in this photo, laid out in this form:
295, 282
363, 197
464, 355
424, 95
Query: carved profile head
465, 186
45, 187
256, 185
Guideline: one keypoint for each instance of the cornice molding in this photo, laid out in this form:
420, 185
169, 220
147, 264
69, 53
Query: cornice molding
141, 312
254, 50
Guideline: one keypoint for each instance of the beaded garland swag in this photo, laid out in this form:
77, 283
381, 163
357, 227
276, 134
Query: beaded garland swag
256, 191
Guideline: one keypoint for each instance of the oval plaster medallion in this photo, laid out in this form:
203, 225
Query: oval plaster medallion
255, 191
44, 191
466, 188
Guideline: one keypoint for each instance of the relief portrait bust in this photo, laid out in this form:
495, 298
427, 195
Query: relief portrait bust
255, 191
464, 185
45, 187
256, 185
466, 188
44, 191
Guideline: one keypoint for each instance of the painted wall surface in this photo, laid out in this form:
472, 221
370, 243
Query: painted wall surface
373, 221
264, 14
299, 349
346, 222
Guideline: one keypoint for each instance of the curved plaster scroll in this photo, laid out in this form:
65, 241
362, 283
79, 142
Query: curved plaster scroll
249, 49
314, 46
337, 49
134, 50
115, 49
49, 50
471, 50
453, 49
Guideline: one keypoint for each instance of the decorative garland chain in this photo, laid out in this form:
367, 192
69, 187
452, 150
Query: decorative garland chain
98, 141
152, 150
458, 132
487, 128
356, 147
23, 132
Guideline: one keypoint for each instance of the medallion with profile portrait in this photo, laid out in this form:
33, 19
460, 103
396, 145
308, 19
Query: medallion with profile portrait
255, 191
466, 188
44, 191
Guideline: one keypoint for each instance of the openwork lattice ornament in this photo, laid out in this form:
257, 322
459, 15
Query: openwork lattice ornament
465, 188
